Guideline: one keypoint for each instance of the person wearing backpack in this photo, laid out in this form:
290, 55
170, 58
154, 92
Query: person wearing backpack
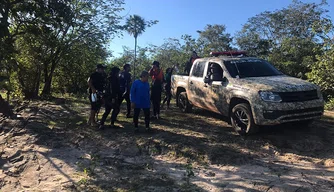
111, 94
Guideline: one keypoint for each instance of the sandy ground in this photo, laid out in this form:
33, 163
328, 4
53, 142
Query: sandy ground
49, 148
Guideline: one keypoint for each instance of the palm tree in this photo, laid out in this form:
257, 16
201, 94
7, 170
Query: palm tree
135, 25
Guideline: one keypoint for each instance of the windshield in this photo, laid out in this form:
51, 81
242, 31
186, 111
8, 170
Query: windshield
251, 68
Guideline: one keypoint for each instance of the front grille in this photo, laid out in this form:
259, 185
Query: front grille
277, 114
298, 96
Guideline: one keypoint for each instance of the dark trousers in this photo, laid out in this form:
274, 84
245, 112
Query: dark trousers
168, 95
156, 99
128, 103
108, 108
136, 116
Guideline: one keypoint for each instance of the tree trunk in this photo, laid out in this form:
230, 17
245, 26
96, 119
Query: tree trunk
47, 86
38, 80
48, 77
134, 63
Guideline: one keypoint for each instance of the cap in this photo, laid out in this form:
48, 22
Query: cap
100, 66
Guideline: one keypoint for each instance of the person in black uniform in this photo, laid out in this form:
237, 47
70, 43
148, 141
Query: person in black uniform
96, 85
125, 86
112, 92
168, 86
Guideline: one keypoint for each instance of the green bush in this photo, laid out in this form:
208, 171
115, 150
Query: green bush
330, 104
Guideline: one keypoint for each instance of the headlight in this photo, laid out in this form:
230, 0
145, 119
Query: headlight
270, 96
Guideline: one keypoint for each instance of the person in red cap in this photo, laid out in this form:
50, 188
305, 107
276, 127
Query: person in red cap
157, 79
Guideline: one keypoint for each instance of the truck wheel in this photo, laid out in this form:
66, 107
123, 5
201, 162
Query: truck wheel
242, 119
183, 103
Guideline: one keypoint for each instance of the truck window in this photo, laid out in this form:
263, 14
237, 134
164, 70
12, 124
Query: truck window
215, 72
244, 68
198, 69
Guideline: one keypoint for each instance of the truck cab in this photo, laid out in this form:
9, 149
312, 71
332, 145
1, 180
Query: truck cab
249, 90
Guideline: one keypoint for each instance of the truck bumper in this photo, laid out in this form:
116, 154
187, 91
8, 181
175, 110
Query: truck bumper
278, 113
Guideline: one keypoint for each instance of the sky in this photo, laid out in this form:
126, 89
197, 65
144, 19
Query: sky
179, 17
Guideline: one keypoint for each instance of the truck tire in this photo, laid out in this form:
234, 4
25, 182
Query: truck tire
242, 119
183, 102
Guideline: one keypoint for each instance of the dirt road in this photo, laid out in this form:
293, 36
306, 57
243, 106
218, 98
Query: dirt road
49, 148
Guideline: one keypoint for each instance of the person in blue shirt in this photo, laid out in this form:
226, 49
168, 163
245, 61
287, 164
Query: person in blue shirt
140, 99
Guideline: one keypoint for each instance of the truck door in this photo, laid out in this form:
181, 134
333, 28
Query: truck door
197, 87
216, 96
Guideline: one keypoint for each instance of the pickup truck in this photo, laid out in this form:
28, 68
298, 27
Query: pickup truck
248, 90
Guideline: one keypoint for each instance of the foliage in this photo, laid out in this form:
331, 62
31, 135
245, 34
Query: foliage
45, 35
214, 38
322, 71
285, 36
53, 46
330, 104
143, 60
135, 26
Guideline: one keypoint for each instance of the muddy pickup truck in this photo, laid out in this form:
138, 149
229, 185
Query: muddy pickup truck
248, 90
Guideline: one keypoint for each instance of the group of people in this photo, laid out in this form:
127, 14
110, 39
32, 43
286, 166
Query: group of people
118, 86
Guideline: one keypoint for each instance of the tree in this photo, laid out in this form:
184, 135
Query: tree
46, 31
143, 58
322, 71
135, 26
170, 53
285, 36
94, 19
215, 38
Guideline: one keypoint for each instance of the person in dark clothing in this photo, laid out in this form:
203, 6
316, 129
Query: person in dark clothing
191, 61
125, 86
168, 86
96, 85
140, 99
157, 80
112, 92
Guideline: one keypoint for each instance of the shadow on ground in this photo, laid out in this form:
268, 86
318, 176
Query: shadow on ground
52, 139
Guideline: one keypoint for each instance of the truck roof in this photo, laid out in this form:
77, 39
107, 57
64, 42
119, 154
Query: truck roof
224, 58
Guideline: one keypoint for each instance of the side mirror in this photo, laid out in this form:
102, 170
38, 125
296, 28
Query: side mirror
206, 79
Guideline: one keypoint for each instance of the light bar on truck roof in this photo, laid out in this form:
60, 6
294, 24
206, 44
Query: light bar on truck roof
229, 53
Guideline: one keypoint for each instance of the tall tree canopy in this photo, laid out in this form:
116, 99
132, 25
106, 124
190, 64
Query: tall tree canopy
43, 33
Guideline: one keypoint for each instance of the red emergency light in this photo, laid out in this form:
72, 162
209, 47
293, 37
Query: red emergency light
229, 53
